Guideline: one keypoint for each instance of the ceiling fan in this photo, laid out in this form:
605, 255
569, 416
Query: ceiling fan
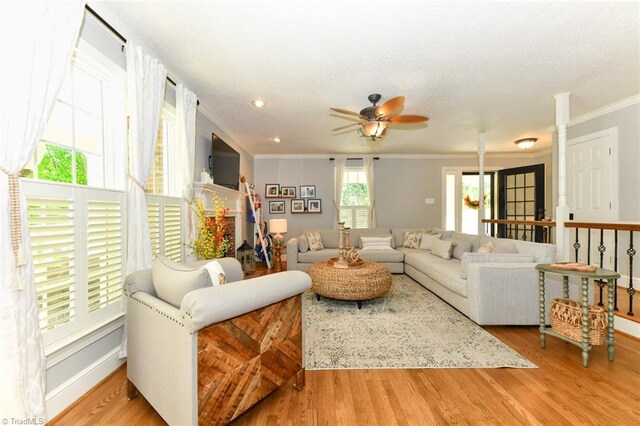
373, 119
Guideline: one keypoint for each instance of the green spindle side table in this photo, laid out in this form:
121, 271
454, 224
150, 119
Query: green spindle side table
598, 274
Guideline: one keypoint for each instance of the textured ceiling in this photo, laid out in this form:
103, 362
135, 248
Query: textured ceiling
470, 66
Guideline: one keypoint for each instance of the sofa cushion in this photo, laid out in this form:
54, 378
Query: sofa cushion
315, 240
473, 239
442, 248
356, 234
470, 258
543, 253
412, 239
317, 256
446, 272
376, 243
384, 256
427, 240
172, 280
460, 247
303, 244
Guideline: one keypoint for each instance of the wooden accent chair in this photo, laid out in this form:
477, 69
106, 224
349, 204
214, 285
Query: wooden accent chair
224, 350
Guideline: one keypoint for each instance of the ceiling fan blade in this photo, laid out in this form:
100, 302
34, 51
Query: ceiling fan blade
343, 117
408, 119
392, 106
344, 111
344, 127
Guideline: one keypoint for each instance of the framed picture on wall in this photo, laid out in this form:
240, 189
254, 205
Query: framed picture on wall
297, 206
288, 192
271, 190
314, 205
276, 207
307, 191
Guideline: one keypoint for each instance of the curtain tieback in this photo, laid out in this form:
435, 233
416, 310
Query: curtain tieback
137, 182
15, 224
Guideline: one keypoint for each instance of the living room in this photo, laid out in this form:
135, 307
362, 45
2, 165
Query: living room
477, 103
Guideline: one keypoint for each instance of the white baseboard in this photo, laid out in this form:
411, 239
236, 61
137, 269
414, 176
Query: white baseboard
626, 326
70, 391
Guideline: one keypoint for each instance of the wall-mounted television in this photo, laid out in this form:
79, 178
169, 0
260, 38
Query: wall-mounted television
224, 163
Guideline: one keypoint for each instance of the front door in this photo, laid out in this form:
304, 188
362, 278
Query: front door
521, 197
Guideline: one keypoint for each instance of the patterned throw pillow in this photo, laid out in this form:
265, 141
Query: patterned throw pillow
218, 277
412, 240
315, 241
487, 248
442, 248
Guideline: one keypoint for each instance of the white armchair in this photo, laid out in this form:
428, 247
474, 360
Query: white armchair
225, 349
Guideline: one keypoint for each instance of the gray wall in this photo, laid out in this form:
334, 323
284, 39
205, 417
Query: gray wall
401, 186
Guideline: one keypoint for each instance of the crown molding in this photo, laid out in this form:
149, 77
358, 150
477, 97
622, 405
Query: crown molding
211, 117
599, 112
401, 156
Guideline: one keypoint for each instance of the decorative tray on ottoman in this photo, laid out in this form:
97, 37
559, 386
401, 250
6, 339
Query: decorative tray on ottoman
336, 262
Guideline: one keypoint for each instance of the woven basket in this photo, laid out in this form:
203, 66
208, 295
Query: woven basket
566, 319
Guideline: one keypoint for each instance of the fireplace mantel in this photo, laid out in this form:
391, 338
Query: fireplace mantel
233, 201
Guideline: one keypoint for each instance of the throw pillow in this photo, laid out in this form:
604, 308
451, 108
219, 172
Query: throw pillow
460, 247
469, 258
427, 240
442, 248
433, 231
487, 248
172, 280
218, 277
315, 240
412, 240
505, 248
376, 243
303, 244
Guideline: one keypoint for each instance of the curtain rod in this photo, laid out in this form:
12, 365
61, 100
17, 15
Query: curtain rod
118, 35
332, 159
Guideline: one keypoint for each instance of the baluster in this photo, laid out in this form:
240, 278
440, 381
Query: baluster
524, 232
576, 245
516, 231
588, 246
615, 268
601, 249
631, 291
510, 234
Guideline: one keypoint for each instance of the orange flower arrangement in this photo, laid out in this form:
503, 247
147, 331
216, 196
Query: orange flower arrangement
474, 204
211, 242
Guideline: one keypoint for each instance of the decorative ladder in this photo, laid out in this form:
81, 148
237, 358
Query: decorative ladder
257, 216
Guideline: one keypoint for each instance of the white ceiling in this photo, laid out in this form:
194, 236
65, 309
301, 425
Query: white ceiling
470, 66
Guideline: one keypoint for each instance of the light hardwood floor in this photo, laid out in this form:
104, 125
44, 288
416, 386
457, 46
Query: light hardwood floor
560, 391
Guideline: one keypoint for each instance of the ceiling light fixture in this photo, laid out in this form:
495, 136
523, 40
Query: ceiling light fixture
525, 143
258, 103
276, 139
374, 129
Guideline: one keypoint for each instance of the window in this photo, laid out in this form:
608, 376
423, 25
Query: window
75, 202
461, 199
163, 208
354, 205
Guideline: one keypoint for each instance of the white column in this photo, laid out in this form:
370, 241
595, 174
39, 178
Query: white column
562, 211
481, 147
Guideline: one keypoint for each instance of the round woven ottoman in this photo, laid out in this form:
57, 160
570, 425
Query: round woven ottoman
371, 281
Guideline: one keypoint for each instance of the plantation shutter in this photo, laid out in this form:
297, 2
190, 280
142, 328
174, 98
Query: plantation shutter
361, 217
153, 210
51, 225
104, 251
172, 231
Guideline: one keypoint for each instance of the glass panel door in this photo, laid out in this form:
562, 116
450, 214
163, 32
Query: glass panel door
521, 192
471, 202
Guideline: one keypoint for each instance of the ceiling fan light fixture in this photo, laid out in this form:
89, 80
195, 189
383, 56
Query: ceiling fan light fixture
276, 139
373, 129
258, 103
525, 143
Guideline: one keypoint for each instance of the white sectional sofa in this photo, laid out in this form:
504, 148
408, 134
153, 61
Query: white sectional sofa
491, 289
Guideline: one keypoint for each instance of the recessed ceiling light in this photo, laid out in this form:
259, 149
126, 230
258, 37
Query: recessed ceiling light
258, 103
276, 139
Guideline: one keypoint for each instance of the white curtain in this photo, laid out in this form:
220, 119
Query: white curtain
339, 166
146, 80
368, 170
186, 104
37, 41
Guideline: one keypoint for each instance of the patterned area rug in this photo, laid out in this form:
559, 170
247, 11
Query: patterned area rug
408, 328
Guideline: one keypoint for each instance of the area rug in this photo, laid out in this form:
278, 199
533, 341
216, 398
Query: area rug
408, 328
